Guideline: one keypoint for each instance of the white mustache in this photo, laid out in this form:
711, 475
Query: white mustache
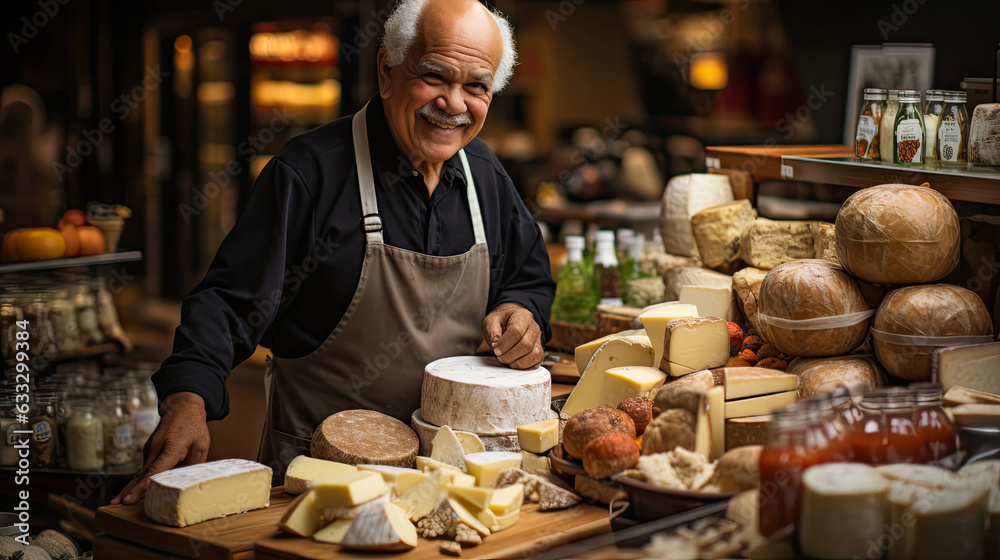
433, 113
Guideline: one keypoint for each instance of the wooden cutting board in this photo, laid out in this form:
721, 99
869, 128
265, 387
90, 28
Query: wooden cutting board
227, 538
535, 532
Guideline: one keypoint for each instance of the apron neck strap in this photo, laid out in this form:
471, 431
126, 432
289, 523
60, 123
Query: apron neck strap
366, 184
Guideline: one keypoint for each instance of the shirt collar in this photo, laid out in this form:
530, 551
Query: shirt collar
390, 164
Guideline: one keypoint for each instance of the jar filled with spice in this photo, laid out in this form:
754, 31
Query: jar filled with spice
44, 430
934, 102
908, 135
118, 435
886, 126
84, 437
866, 142
953, 130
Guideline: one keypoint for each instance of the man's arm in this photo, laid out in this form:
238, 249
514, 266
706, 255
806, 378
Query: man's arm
224, 318
517, 327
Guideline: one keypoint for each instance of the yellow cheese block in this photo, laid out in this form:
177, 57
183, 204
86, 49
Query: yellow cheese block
507, 500
538, 437
302, 516
389, 474
349, 489
585, 351
405, 481
475, 495
617, 352
759, 406
486, 466
622, 383
717, 420
304, 470
655, 318
334, 532
426, 464
742, 382
534, 463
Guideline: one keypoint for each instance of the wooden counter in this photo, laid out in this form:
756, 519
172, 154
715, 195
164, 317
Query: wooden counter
126, 533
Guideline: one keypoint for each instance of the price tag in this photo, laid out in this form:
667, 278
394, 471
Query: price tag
787, 172
713, 163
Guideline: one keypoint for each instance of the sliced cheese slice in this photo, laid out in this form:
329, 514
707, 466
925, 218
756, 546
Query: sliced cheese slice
505, 521
387, 528
486, 466
304, 470
302, 516
389, 474
759, 406
977, 415
463, 515
694, 344
475, 495
844, 510
655, 318
617, 352
711, 302
349, 489
715, 398
446, 448
426, 464
534, 463
470, 442
742, 382
423, 497
507, 500
584, 352
334, 532
539, 437
405, 481
622, 383
973, 367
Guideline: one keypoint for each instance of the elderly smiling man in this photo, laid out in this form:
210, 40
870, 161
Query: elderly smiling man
368, 247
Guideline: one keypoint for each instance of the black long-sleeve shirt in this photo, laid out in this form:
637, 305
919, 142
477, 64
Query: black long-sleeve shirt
287, 271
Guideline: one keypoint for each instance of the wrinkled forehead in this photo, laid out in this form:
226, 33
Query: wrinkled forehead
461, 30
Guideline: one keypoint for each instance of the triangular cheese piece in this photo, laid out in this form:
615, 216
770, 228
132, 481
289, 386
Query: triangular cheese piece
387, 528
446, 448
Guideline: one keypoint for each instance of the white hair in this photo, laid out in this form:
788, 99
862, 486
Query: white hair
400, 32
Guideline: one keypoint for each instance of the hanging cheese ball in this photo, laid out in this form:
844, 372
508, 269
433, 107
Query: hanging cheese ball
898, 234
909, 316
822, 294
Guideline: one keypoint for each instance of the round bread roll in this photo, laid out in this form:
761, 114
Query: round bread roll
811, 289
898, 234
936, 310
737, 469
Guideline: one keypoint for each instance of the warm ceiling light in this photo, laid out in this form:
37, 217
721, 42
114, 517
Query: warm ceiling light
183, 43
708, 71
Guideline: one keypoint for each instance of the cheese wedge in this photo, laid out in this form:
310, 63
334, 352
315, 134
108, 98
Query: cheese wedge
463, 515
715, 398
302, 516
711, 302
586, 351
534, 463
426, 464
348, 489
486, 466
977, 415
304, 470
389, 473
742, 382
540, 436
188, 495
616, 352
475, 495
655, 318
470, 442
694, 344
423, 497
405, 481
844, 510
505, 521
973, 367
759, 406
334, 532
387, 528
507, 500
446, 448
631, 381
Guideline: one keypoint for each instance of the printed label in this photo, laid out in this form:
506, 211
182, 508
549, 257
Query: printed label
123, 436
909, 141
42, 431
949, 140
866, 134
100, 441
146, 419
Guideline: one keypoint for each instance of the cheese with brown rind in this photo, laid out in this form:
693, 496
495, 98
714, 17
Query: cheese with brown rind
769, 243
812, 290
826, 375
898, 234
759, 406
938, 311
717, 231
746, 285
365, 437
752, 430
741, 382
675, 390
693, 344
824, 241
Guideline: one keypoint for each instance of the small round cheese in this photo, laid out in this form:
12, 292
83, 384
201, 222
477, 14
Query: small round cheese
913, 321
481, 395
812, 308
826, 375
898, 234
359, 437
844, 510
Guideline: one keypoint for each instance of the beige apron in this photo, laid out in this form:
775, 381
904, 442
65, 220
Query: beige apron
409, 309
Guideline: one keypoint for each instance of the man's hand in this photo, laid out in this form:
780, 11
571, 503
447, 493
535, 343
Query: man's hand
514, 335
181, 438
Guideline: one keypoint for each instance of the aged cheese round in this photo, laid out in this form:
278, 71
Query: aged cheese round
913, 321
481, 395
825, 375
812, 308
898, 234
366, 437
844, 510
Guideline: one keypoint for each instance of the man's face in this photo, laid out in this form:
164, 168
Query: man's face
437, 99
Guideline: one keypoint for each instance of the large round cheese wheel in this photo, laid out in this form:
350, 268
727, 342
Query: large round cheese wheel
480, 395
825, 306
898, 234
913, 321
826, 375
359, 437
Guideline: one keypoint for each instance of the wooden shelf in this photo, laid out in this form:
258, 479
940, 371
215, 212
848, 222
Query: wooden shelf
105, 258
89, 352
606, 210
764, 163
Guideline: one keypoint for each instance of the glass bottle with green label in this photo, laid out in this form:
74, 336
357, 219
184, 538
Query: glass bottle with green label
908, 130
607, 276
575, 300
953, 130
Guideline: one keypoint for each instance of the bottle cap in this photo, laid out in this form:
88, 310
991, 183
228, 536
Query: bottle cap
874, 94
934, 95
954, 97
575, 242
606, 236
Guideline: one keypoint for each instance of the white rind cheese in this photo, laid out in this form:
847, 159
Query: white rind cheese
683, 197
483, 396
189, 495
717, 231
694, 344
973, 367
690, 276
844, 510
384, 528
495, 442
654, 321
711, 302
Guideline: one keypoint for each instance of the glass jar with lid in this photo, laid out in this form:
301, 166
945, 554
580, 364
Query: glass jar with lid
888, 431
937, 431
953, 130
86, 316
119, 445
933, 103
866, 142
8, 423
11, 311
44, 430
793, 445
829, 422
84, 437
142, 406
908, 130
62, 313
887, 126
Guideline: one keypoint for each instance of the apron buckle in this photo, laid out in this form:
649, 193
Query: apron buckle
373, 223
